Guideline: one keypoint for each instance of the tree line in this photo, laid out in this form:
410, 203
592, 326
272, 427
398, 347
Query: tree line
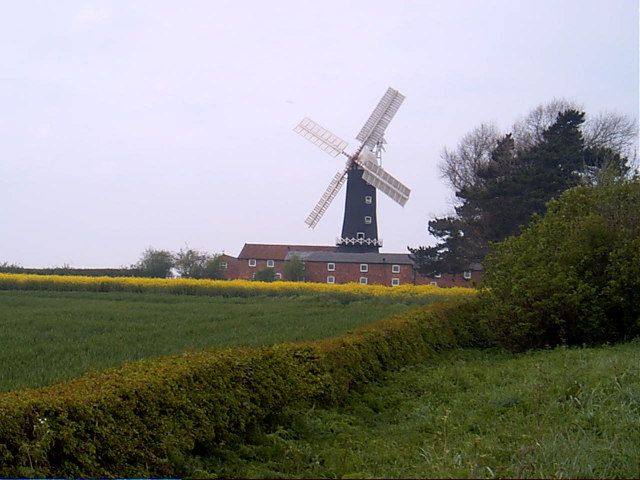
502, 180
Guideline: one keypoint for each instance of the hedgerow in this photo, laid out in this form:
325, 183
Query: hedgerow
573, 276
146, 418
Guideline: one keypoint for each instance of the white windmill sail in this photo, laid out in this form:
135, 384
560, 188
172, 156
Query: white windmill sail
326, 199
381, 179
323, 138
379, 120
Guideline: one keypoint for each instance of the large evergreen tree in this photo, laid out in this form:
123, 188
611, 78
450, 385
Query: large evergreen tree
509, 187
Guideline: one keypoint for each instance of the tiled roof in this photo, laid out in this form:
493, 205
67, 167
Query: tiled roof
345, 257
260, 251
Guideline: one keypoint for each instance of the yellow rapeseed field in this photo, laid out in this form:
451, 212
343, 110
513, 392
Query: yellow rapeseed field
230, 288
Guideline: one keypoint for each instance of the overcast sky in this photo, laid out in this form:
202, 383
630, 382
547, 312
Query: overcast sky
125, 125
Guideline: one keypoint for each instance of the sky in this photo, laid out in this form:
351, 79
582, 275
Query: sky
127, 125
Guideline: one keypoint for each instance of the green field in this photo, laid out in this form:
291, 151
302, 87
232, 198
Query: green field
48, 337
560, 413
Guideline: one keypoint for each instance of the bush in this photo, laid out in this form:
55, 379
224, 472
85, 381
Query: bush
265, 275
573, 276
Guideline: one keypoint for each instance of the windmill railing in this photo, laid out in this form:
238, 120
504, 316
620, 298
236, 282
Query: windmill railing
359, 241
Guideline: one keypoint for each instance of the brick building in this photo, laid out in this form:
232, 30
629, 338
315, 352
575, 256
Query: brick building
326, 264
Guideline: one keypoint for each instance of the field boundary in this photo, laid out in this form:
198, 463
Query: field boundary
225, 288
145, 418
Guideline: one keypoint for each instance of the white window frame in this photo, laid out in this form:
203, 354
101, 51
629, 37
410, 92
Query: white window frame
395, 282
252, 262
224, 265
368, 199
331, 279
395, 268
360, 235
364, 267
433, 284
331, 267
364, 281
278, 276
271, 264
466, 274
367, 220
437, 275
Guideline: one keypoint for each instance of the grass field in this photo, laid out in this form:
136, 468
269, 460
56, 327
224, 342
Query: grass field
48, 337
561, 413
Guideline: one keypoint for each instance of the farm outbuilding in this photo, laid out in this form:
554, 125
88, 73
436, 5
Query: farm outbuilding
326, 264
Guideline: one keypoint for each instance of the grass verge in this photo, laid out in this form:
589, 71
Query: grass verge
555, 413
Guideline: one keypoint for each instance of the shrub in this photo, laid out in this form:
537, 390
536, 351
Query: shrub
573, 276
266, 275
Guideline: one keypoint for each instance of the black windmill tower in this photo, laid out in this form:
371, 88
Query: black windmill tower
364, 175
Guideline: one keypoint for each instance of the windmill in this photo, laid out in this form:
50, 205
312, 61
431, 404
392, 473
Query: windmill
363, 173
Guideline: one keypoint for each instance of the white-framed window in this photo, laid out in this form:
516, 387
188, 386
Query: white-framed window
253, 276
467, 274
331, 267
223, 265
395, 268
363, 280
395, 282
438, 275
331, 279
278, 276
367, 220
368, 199
360, 235
252, 262
271, 263
364, 267
433, 284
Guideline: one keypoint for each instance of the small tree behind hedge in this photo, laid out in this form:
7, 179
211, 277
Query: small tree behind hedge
573, 277
294, 269
265, 275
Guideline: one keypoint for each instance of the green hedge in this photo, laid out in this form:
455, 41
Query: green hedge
146, 418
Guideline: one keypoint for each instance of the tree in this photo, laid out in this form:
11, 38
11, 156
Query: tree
265, 275
501, 182
460, 166
294, 269
573, 276
213, 267
189, 263
155, 263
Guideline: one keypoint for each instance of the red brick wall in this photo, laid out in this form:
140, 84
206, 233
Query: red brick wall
378, 274
240, 269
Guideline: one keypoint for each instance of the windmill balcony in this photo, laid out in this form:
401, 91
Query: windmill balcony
359, 241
